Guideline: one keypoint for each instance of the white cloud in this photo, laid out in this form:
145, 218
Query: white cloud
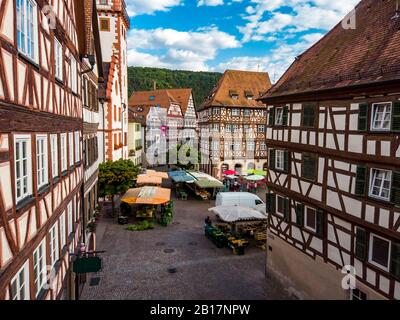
189, 50
211, 3
137, 7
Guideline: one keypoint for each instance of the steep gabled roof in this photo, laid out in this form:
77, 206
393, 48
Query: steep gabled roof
241, 84
345, 57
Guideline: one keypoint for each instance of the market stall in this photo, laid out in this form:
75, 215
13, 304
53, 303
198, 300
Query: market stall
204, 185
148, 180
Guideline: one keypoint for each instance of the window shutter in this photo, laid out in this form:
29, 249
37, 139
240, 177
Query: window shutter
300, 215
272, 116
363, 117
286, 161
396, 117
309, 166
396, 188
361, 244
395, 263
272, 159
271, 202
361, 180
286, 210
320, 222
285, 116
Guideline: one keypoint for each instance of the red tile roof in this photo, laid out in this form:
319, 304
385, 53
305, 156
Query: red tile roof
242, 84
368, 54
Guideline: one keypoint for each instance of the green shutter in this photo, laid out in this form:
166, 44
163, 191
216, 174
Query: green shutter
272, 116
272, 159
309, 169
361, 180
363, 117
309, 116
361, 244
286, 210
271, 202
395, 260
320, 222
396, 117
287, 161
285, 116
396, 188
300, 214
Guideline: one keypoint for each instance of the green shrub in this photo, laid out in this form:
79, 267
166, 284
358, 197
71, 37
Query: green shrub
142, 226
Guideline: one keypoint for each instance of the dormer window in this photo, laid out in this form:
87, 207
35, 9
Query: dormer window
152, 98
234, 94
249, 95
140, 109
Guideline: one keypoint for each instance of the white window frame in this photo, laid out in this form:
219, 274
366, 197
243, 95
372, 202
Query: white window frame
27, 28
77, 147
306, 218
215, 127
42, 161
63, 153
53, 237
279, 159
63, 232
58, 59
74, 75
263, 146
261, 128
372, 235
374, 116
279, 116
70, 219
247, 112
235, 112
18, 163
251, 146
352, 295
22, 289
71, 148
54, 154
373, 174
39, 266
237, 146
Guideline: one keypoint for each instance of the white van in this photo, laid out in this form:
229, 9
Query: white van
242, 199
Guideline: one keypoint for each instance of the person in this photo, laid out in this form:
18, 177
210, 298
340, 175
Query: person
208, 221
236, 186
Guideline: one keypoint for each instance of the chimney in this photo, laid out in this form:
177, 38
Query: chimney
154, 85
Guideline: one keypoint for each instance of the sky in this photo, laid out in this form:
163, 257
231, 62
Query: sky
215, 35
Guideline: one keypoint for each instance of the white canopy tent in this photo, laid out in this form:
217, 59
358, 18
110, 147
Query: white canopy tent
233, 214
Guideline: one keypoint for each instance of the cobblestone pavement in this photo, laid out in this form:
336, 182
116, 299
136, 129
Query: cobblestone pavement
136, 264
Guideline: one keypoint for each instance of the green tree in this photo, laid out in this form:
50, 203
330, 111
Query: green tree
184, 157
115, 178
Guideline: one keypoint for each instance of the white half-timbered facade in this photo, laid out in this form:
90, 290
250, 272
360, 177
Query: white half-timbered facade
334, 163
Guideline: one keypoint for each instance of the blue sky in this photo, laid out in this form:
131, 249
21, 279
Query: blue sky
214, 35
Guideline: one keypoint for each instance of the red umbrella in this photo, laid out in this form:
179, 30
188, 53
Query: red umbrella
230, 173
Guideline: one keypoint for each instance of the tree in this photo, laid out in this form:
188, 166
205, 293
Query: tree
116, 178
184, 156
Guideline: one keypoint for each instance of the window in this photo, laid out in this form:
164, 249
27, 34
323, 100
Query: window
263, 146
71, 148
215, 111
280, 160
309, 116
62, 231
379, 253
229, 128
22, 154
280, 205
215, 127
238, 146
54, 244
215, 145
41, 161
20, 284
63, 143
39, 266
261, 128
74, 75
152, 98
54, 155
235, 128
310, 218
247, 113
26, 27
235, 112
77, 147
104, 24
58, 60
357, 294
381, 116
380, 185
309, 166
279, 117
250, 146
70, 219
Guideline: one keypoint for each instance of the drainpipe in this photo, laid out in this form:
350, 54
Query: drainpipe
102, 100
123, 120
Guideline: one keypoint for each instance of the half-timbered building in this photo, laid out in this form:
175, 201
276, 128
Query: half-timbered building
113, 94
43, 46
232, 124
334, 163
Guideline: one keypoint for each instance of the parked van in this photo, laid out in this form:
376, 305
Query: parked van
241, 199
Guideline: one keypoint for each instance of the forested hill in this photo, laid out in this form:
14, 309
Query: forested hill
141, 79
